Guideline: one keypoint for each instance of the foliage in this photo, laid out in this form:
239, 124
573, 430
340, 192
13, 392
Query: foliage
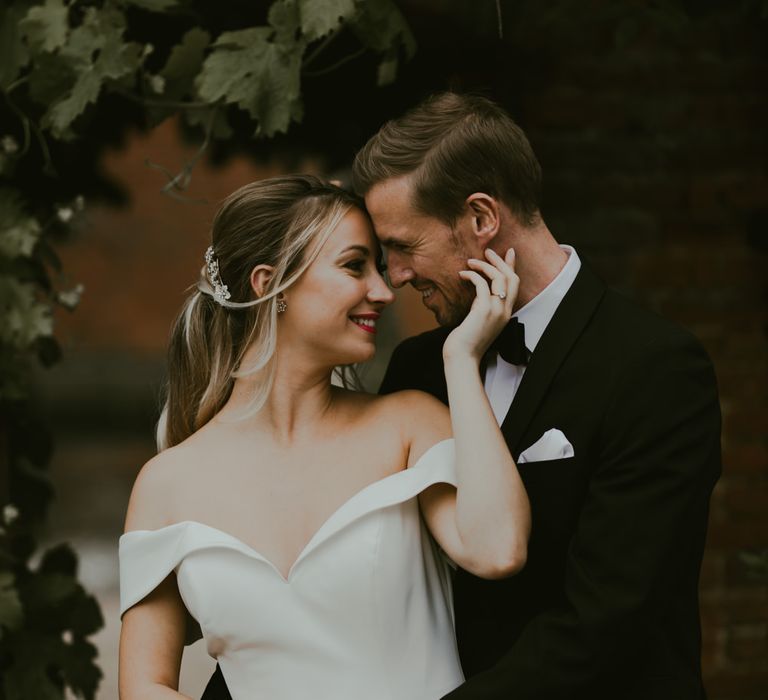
66, 67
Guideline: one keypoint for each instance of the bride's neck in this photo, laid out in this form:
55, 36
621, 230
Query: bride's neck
300, 399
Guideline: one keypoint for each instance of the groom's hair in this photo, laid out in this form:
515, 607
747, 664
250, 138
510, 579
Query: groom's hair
454, 145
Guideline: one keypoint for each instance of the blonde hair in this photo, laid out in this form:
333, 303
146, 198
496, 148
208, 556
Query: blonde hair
282, 222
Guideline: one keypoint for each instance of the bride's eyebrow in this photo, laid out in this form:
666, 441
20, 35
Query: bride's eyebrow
359, 248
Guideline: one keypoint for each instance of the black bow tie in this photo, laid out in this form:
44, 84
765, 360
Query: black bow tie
510, 344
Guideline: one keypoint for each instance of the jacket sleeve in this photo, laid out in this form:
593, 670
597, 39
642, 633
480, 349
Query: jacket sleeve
640, 533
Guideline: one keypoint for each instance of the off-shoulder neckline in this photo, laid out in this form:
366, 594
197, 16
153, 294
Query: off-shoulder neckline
318, 535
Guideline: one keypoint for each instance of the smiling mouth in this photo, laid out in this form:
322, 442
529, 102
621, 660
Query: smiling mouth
367, 324
426, 293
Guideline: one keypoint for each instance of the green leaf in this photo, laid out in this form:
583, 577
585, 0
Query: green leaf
23, 318
381, 26
184, 63
97, 53
11, 614
46, 26
14, 54
29, 675
46, 591
284, 17
80, 672
18, 232
321, 17
262, 78
60, 559
19, 239
50, 79
86, 617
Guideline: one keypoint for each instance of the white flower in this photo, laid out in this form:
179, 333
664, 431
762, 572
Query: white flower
10, 513
67, 637
157, 83
9, 144
64, 214
148, 49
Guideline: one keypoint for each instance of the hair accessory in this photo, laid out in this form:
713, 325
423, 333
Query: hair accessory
281, 305
220, 291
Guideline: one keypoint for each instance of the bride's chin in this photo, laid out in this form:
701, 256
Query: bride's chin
356, 358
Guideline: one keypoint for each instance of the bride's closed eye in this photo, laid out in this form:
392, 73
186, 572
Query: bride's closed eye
356, 265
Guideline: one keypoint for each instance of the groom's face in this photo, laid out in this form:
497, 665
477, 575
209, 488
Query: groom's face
423, 251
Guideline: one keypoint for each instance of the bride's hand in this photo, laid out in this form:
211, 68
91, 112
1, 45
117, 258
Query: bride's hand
491, 309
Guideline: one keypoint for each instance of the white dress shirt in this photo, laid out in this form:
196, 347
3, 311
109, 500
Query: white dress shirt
502, 378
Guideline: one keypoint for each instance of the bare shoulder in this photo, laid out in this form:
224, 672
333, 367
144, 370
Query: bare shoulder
423, 419
152, 497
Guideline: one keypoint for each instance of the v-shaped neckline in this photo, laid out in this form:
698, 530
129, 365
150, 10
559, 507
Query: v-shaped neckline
322, 532
311, 542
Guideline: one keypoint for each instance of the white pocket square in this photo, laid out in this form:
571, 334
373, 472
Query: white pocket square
552, 445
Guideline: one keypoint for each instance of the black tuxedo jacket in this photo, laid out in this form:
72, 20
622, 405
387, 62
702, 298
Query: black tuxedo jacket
607, 605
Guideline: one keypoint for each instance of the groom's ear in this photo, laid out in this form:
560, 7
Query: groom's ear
261, 276
484, 215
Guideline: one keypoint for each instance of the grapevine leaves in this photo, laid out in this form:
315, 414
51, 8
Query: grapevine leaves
321, 17
184, 64
97, 53
261, 77
18, 232
382, 27
72, 65
46, 26
43, 657
256, 69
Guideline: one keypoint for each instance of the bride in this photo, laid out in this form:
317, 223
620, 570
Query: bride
282, 517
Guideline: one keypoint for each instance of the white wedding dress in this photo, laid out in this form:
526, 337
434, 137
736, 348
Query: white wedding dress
365, 612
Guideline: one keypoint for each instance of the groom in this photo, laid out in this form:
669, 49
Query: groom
611, 412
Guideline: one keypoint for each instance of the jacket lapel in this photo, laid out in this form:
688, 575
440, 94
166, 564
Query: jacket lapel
569, 320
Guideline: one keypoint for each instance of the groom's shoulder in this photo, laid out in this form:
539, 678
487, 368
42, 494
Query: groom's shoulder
634, 329
417, 363
424, 346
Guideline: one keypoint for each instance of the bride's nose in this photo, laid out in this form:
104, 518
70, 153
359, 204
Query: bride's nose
379, 291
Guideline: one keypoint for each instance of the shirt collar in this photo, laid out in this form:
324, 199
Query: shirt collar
538, 312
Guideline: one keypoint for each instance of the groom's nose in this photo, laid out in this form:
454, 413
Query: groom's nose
398, 271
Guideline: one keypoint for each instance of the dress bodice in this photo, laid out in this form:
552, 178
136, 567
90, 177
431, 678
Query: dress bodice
365, 610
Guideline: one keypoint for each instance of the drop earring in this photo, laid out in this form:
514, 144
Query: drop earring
281, 305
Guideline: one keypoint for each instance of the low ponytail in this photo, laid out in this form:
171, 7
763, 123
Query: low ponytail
201, 352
